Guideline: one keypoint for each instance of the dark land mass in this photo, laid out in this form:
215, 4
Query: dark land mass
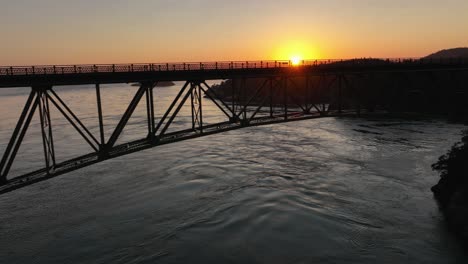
441, 93
452, 190
450, 53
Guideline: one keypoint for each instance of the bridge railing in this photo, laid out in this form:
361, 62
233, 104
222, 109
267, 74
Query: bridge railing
224, 65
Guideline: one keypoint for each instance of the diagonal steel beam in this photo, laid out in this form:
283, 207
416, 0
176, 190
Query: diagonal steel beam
304, 109
316, 94
269, 97
166, 126
169, 110
70, 120
214, 100
126, 116
16, 132
257, 92
65, 106
30, 110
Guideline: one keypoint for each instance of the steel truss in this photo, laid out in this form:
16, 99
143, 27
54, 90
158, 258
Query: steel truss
273, 98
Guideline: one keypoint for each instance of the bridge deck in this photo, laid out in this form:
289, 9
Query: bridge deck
26, 76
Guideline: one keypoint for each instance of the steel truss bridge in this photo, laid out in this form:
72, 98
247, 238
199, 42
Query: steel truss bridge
279, 94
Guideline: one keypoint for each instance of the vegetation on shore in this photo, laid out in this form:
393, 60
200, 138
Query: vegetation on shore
452, 190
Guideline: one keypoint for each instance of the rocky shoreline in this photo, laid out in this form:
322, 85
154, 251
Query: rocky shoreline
452, 190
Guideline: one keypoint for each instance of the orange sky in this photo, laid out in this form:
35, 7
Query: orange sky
118, 31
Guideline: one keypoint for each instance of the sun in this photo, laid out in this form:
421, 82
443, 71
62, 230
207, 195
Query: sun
296, 60
295, 51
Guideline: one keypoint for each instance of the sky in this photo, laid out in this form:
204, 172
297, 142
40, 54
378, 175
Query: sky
139, 31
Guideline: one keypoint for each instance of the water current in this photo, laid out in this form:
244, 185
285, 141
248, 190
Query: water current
329, 190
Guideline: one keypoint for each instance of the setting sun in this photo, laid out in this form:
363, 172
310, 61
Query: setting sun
295, 51
296, 60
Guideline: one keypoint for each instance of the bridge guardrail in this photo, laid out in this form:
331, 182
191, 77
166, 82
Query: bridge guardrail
197, 66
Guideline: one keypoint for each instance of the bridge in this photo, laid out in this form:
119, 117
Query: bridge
260, 93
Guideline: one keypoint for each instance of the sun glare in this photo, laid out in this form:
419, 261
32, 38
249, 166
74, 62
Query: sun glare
296, 60
295, 51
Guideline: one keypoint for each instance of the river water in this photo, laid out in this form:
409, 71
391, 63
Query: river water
330, 190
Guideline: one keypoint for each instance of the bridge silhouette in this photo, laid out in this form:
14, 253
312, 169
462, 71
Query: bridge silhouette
284, 93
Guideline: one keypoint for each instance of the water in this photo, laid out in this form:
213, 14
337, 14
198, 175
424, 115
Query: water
331, 190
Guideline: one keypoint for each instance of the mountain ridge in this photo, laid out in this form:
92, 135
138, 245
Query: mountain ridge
461, 52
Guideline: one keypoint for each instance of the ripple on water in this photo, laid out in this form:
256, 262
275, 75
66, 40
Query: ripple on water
332, 190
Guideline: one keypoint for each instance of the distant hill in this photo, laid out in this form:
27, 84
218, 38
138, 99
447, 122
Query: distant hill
450, 53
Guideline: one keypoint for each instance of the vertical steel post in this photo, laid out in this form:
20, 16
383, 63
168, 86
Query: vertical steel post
244, 99
150, 109
233, 99
43, 124
196, 105
200, 109
50, 131
148, 112
192, 104
153, 121
307, 95
340, 77
101, 121
271, 97
284, 84
359, 98
47, 139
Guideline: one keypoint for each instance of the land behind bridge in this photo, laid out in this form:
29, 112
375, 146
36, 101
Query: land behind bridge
429, 92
